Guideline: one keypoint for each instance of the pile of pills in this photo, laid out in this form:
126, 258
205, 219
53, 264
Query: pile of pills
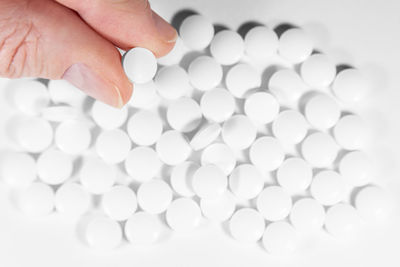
210, 140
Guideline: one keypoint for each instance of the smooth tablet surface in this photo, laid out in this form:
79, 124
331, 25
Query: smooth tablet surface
350, 86
295, 175
209, 181
342, 220
217, 105
261, 42
97, 176
154, 196
318, 71
246, 181
18, 169
322, 111
142, 164
328, 188
266, 153
140, 65
220, 208
184, 114
173, 148
280, 238
295, 45
351, 132
72, 199
373, 203
103, 233
108, 117
220, 155
72, 137
205, 136
144, 95
31, 96
274, 203
196, 32
238, 132
60, 113
61, 91
144, 127
247, 225
143, 228
227, 47
183, 215
172, 82
355, 167
241, 78
54, 167
119, 203
37, 200
205, 73
182, 177
307, 215
175, 55
261, 108
113, 146
319, 149
290, 127
34, 134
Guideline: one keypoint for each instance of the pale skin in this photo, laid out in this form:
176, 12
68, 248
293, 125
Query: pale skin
76, 40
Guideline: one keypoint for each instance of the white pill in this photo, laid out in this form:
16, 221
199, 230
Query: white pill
295, 45
142, 164
31, 96
62, 92
172, 82
227, 47
173, 148
373, 204
280, 238
140, 65
183, 215
307, 215
290, 127
196, 32
267, 153
261, 108
318, 71
154, 196
355, 167
108, 117
274, 203
247, 225
72, 199
342, 220
218, 209
175, 55
97, 176
18, 169
239, 132
54, 167
184, 114
103, 233
205, 73
220, 155
205, 136
182, 177
351, 132
350, 86
119, 203
246, 181
241, 78
209, 181
144, 127
261, 42
144, 95
295, 175
37, 200
217, 105
72, 137
113, 146
143, 228
60, 113
319, 149
328, 188
322, 111
34, 134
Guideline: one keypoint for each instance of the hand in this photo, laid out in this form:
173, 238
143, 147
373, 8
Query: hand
75, 40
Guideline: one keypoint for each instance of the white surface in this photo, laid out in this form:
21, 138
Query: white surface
261, 42
241, 78
295, 45
143, 228
113, 145
144, 127
184, 114
205, 73
119, 203
227, 47
154, 196
217, 105
173, 148
196, 32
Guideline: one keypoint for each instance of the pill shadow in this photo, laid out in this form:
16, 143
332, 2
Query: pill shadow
247, 26
180, 16
220, 27
267, 74
189, 57
354, 193
342, 67
281, 28
305, 98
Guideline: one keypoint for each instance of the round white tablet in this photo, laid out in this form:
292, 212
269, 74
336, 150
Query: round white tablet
342, 220
18, 169
140, 65
307, 215
144, 127
205, 73
60, 113
261, 108
72, 199
217, 105
290, 127
261, 42
319, 149
220, 155
37, 200
72, 137
144, 95
113, 146
172, 82
31, 96
34, 134
295, 175
350, 86
318, 71
373, 203
239, 132
205, 136
173, 148
62, 92
54, 167
247, 225
119, 203
209, 181
267, 153
241, 78
182, 177
175, 55
154, 196
280, 238
295, 45
227, 47
328, 188
351, 132
142, 164
184, 114
246, 181
220, 208
355, 167
108, 117
97, 176
143, 228
103, 233
322, 111
183, 215
274, 203
196, 32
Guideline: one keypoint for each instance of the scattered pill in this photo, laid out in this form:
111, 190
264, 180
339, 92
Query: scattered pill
72, 199
266, 153
322, 111
144, 127
97, 176
60, 113
183, 215
373, 204
261, 108
209, 181
261, 42
173, 148
290, 127
220, 208
205, 73
342, 220
140, 65
31, 96
18, 169
143, 228
350, 86
246, 181
72, 137
108, 117
182, 177
54, 167
103, 233
113, 146
295, 45
119, 203
227, 47
238, 132
328, 188
144, 95
205, 136
184, 114
34, 134
154, 196
318, 71
217, 105
37, 200
196, 32
351, 132
247, 225
241, 78
172, 82
175, 55
294, 175
319, 149
307, 215
142, 164
355, 167
274, 203
62, 92
220, 155
280, 238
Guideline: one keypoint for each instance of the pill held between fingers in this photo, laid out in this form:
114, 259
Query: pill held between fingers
227, 47
184, 114
103, 233
351, 132
351, 86
319, 149
355, 167
72, 199
217, 105
241, 78
196, 32
13, 174
220, 155
295, 175
97, 176
182, 177
246, 225
261, 42
173, 148
218, 209
113, 146
280, 238
54, 167
154, 196
205, 136
142, 164
183, 215
290, 127
318, 71
342, 221
119, 203
209, 181
172, 82
246, 181
307, 215
143, 228
238, 132
322, 111
140, 65
295, 45
205, 73
37, 200
261, 108
144, 127
108, 117
328, 187
266, 153
274, 203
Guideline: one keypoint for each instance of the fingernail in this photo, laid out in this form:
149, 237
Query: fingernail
167, 32
81, 76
